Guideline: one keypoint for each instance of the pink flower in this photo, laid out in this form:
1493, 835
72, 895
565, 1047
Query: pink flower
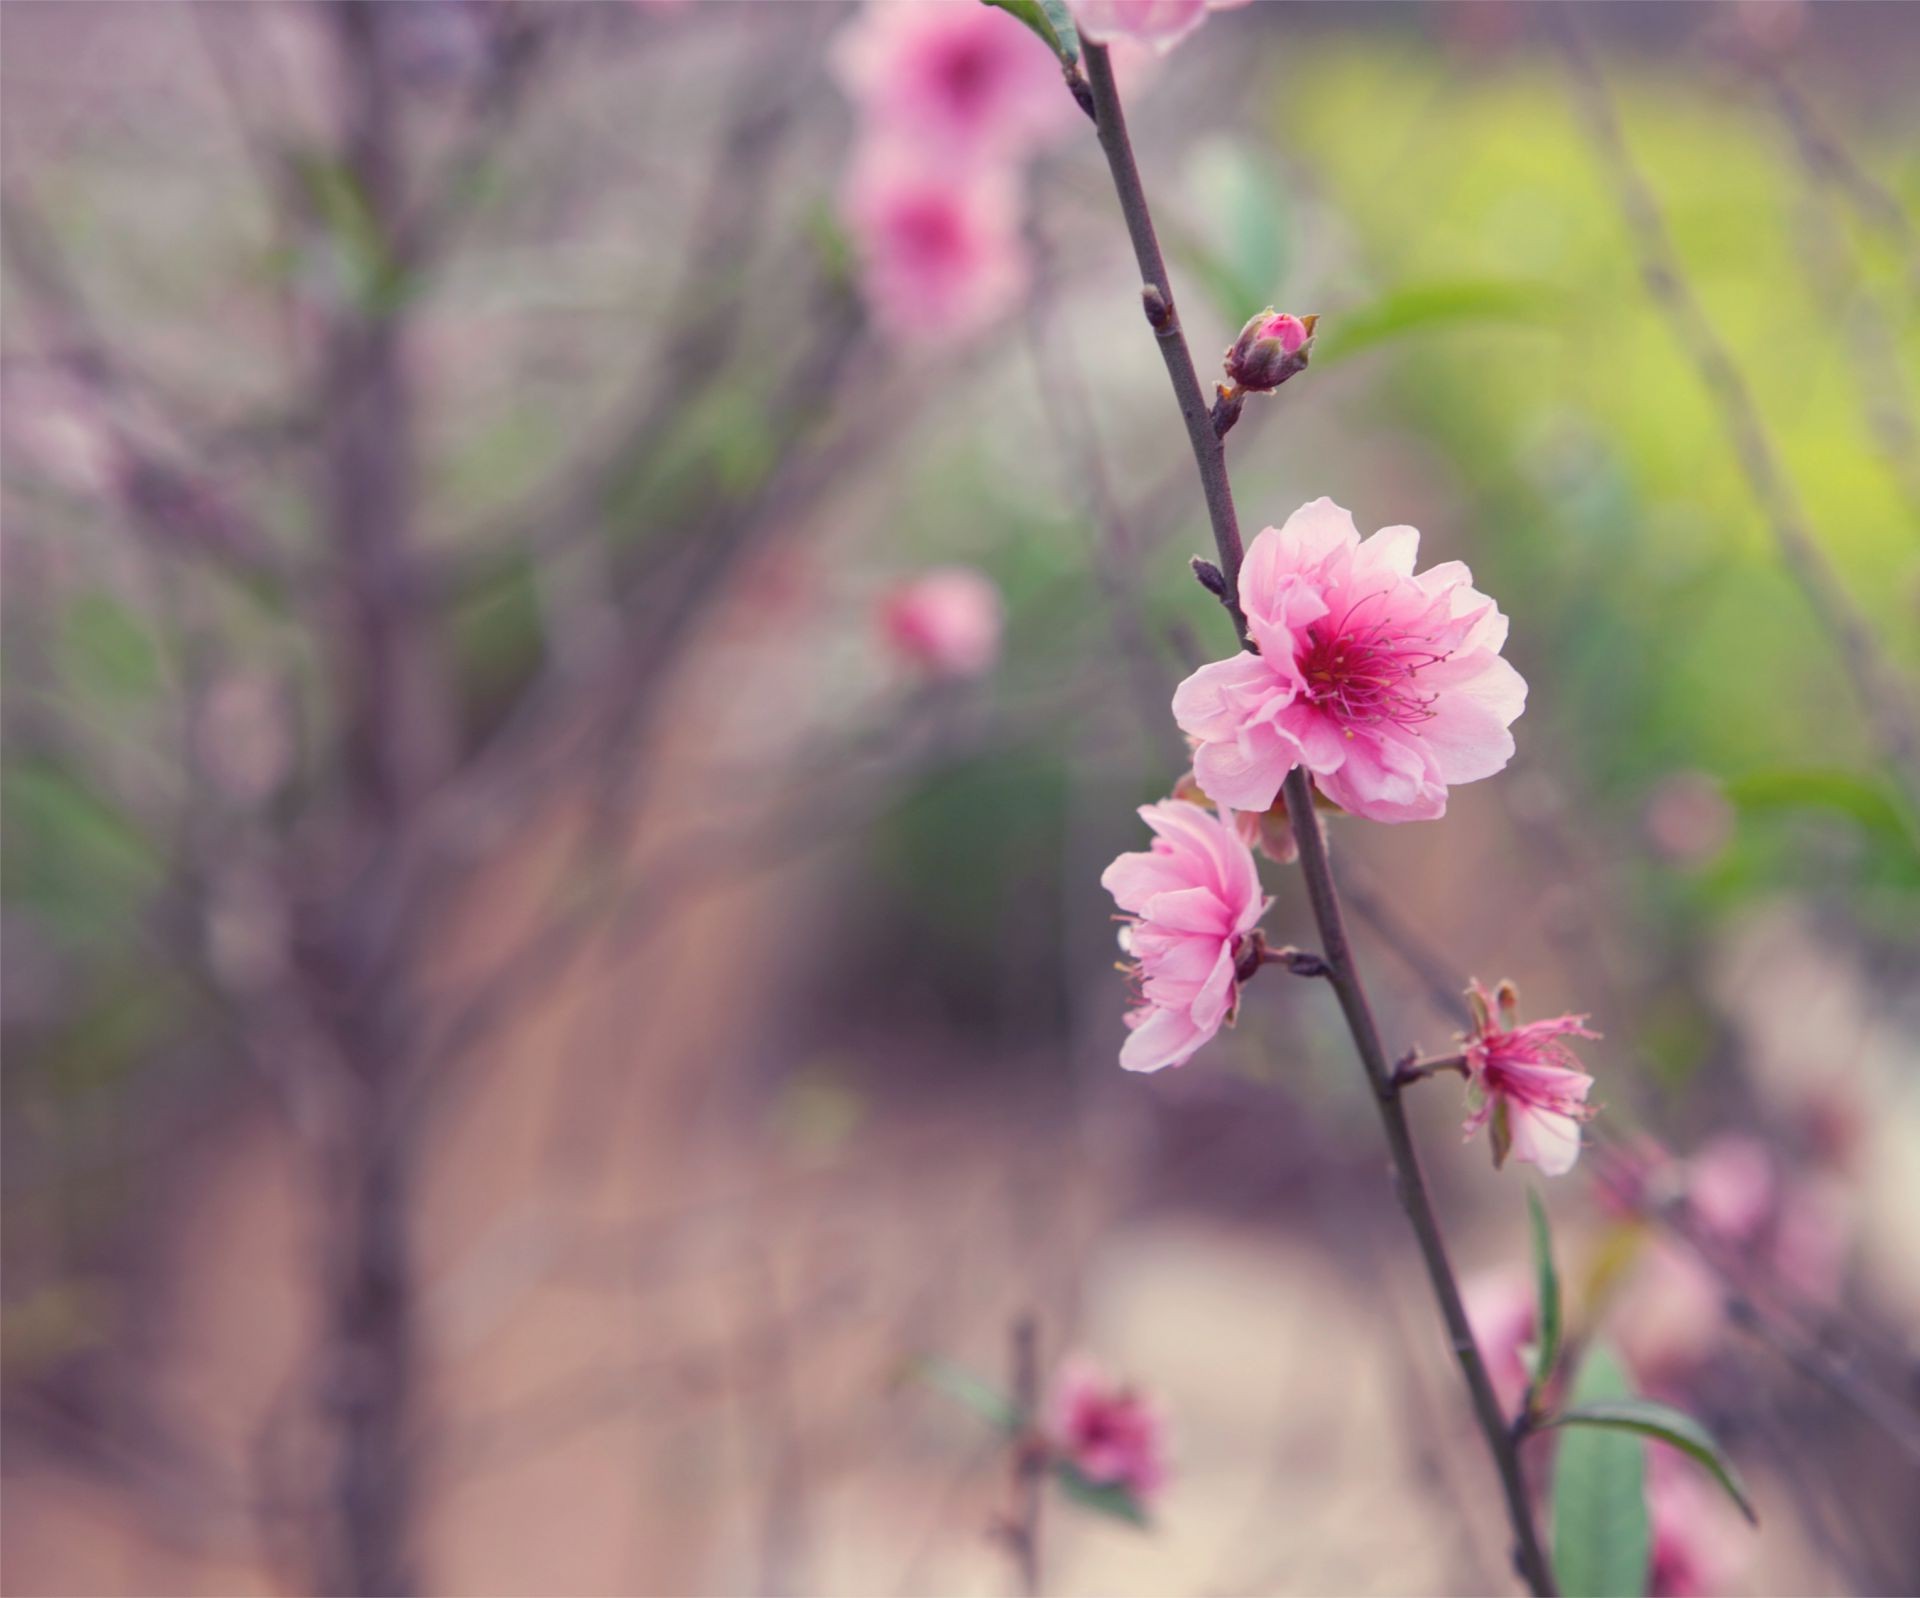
1501, 1310
1191, 901
1270, 832
1112, 1434
1699, 1543
1386, 686
1731, 1189
1158, 24
941, 254
945, 621
955, 78
1526, 1082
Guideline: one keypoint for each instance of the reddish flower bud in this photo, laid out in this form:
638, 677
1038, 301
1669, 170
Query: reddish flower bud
1271, 348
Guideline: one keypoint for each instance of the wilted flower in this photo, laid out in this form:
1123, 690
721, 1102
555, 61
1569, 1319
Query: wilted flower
958, 79
1386, 686
945, 621
1271, 348
1109, 1432
1158, 24
1501, 1310
940, 249
1191, 901
1525, 1082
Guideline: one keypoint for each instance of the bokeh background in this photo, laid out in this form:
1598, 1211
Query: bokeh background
524, 1016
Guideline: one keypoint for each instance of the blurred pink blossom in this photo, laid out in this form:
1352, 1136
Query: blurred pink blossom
1699, 1543
959, 80
1731, 1188
1527, 1083
1190, 901
1670, 1317
1386, 686
1500, 1308
1688, 818
1811, 1238
1158, 24
1111, 1433
940, 250
945, 621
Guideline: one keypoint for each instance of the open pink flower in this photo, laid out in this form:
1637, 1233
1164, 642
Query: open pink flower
940, 250
1111, 1433
1386, 686
945, 621
1157, 24
1500, 1309
1526, 1083
958, 79
1190, 900
1269, 832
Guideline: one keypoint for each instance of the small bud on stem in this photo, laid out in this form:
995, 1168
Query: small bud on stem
1271, 348
1212, 578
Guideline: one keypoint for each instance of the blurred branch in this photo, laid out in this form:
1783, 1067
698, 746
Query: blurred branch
1890, 717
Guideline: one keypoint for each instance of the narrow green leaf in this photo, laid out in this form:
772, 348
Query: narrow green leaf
969, 1391
1546, 1289
1430, 307
1666, 1425
1601, 1535
1049, 20
1103, 1498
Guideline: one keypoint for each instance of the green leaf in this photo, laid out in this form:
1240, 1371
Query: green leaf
969, 1391
1103, 1498
1546, 1290
1431, 307
1601, 1535
109, 650
1864, 800
1645, 1418
1050, 20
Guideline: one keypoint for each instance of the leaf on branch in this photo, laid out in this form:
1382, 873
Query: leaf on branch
969, 1391
1432, 307
1663, 1424
1547, 1291
1103, 1498
1050, 20
1601, 1534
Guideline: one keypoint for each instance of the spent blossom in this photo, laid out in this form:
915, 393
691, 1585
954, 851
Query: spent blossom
1387, 686
1111, 1433
1191, 902
1157, 24
1525, 1083
945, 621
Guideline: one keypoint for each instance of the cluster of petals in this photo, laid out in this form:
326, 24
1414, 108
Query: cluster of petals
1268, 832
1190, 903
945, 622
1526, 1083
1387, 686
951, 97
1157, 24
1111, 1433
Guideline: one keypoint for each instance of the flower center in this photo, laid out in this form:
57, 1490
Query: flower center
1363, 674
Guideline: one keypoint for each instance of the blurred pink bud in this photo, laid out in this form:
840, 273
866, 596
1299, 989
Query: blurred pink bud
945, 621
1271, 348
1688, 819
1190, 902
1526, 1084
1670, 1317
1111, 1433
1500, 1308
1386, 686
940, 249
1700, 1544
1157, 24
1731, 1189
955, 78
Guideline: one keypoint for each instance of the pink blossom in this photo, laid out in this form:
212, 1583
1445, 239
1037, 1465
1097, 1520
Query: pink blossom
1386, 686
955, 78
1271, 348
1699, 1542
1157, 24
1111, 1433
945, 621
1731, 1189
1270, 832
940, 250
1526, 1083
1501, 1310
1190, 900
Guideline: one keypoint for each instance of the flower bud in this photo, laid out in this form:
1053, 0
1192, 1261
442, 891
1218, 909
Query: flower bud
1271, 348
